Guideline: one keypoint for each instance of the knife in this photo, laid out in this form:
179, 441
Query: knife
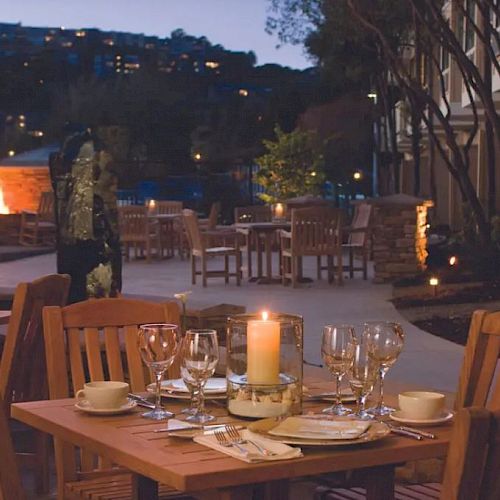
403, 432
196, 427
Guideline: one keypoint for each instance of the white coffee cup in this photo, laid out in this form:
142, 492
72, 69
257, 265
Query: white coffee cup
421, 405
104, 395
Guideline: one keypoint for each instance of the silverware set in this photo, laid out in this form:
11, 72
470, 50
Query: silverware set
410, 432
232, 437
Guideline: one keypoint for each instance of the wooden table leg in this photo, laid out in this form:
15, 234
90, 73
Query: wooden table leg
380, 483
144, 488
269, 255
235, 493
273, 490
258, 247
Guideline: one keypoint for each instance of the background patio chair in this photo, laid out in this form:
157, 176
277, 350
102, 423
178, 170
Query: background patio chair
211, 222
136, 230
200, 249
39, 227
314, 232
23, 375
84, 342
359, 238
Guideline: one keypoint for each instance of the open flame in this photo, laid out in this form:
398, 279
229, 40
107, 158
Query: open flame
265, 315
4, 209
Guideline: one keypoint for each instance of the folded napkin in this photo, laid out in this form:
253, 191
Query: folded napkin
283, 451
314, 428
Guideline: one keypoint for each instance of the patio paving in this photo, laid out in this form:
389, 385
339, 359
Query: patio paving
426, 360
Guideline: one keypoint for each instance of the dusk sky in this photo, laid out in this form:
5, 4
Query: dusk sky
235, 24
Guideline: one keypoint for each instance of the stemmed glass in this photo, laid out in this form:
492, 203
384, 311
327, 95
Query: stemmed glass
193, 395
158, 345
199, 357
362, 377
337, 351
385, 342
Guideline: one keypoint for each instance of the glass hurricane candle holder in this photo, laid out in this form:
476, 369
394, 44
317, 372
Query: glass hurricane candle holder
264, 365
278, 212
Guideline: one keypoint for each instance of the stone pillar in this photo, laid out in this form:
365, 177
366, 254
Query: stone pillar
399, 237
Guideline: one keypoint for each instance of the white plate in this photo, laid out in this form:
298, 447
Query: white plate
84, 405
215, 385
399, 416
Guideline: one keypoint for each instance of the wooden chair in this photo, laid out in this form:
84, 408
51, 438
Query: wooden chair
477, 384
138, 231
472, 464
84, 342
22, 368
359, 238
10, 479
315, 231
200, 249
169, 207
172, 231
39, 227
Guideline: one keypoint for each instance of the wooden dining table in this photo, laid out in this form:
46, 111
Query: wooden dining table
130, 441
166, 230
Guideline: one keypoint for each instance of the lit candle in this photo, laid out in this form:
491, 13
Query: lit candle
278, 210
152, 206
263, 351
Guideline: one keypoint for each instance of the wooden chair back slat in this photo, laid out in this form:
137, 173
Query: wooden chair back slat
135, 366
168, 207
93, 349
193, 230
133, 222
253, 213
113, 353
22, 369
10, 479
75, 358
467, 455
477, 376
95, 333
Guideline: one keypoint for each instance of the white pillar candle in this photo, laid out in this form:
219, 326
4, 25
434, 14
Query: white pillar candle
278, 210
263, 351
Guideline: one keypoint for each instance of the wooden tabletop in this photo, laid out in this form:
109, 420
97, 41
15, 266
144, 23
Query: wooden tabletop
129, 440
263, 226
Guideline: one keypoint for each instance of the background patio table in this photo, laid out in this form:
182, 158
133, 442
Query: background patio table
4, 317
129, 440
255, 232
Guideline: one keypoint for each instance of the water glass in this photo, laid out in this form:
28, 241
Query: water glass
362, 377
199, 357
385, 342
337, 351
158, 345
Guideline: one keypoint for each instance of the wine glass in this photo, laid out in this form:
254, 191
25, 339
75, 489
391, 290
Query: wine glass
199, 357
337, 351
193, 395
362, 377
158, 345
385, 342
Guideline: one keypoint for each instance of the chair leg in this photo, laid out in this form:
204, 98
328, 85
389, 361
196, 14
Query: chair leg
340, 267
193, 269
238, 268
365, 263
351, 263
42, 463
318, 264
295, 265
249, 254
204, 270
329, 266
148, 251
226, 269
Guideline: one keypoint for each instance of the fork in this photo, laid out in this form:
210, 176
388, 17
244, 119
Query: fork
236, 438
223, 441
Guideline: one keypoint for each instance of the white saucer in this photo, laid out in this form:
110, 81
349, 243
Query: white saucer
399, 416
84, 405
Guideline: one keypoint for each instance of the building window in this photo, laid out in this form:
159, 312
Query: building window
469, 35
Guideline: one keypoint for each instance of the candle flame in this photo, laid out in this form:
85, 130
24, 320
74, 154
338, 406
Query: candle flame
434, 281
4, 209
265, 315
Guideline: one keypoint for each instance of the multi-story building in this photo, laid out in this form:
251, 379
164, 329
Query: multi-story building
435, 178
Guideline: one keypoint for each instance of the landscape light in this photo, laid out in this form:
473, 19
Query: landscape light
313, 174
243, 92
434, 282
11, 152
453, 260
197, 156
357, 176
372, 95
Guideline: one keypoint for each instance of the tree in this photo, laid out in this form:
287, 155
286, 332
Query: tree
293, 166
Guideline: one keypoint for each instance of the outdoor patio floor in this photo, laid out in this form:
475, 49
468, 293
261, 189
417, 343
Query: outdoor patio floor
427, 360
